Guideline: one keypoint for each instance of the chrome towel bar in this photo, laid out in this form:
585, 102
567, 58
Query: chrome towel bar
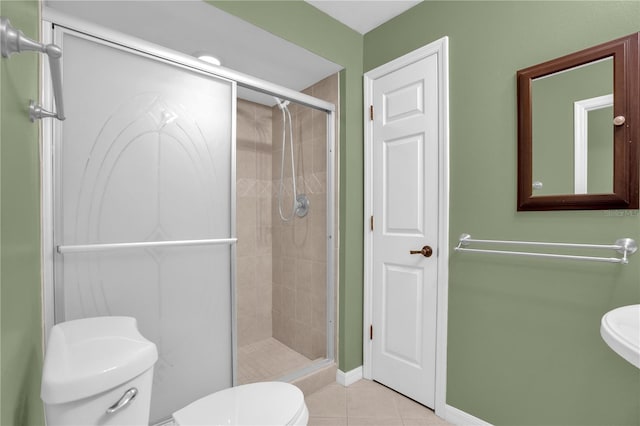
624, 246
85, 248
14, 41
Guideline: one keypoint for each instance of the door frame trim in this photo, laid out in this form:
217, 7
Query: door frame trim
440, 48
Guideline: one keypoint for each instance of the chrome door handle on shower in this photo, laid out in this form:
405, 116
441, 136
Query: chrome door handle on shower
426, 251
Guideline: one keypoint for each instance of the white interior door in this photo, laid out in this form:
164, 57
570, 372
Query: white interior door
405, 209
145, 155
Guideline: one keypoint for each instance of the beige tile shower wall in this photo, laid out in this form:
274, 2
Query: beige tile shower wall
253, 222
299, 246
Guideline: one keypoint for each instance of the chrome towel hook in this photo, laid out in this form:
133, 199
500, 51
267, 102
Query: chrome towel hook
14, 41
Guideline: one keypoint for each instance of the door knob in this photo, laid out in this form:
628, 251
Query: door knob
426, 251
619, 120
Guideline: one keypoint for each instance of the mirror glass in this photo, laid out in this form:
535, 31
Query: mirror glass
572, 112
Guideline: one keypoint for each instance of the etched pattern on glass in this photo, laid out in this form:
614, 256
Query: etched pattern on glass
149, 162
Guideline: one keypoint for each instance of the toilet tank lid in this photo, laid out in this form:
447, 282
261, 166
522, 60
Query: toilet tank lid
87, 356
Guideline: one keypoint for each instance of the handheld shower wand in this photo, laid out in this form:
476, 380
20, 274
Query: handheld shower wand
300, 203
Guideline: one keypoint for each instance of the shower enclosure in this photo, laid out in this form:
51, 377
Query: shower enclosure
282, 257
154, 208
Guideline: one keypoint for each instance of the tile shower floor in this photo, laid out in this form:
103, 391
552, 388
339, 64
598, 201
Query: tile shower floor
366, 403
266, 360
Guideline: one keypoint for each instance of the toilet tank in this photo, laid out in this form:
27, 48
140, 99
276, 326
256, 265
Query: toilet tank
98, 371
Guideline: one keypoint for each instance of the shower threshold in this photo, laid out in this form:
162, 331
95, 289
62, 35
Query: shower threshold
269, 359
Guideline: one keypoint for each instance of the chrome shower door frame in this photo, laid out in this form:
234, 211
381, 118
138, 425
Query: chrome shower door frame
50, 132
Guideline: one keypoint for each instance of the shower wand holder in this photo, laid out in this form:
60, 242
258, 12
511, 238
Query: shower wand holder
302, 205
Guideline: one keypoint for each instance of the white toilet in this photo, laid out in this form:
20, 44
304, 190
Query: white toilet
99, 371
265, 403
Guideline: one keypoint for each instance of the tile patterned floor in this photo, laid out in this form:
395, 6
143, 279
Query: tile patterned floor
366, 403
266, 360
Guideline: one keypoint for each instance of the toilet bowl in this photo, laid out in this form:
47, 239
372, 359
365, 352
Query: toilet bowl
255, 404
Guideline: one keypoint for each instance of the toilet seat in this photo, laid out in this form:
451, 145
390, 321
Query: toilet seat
265, 403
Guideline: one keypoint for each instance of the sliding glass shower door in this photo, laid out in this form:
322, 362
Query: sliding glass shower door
143, 190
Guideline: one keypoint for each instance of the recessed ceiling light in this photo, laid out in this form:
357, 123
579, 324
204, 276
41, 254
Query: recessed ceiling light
208, 58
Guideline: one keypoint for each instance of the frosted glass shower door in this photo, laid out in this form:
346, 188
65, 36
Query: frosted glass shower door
146, 155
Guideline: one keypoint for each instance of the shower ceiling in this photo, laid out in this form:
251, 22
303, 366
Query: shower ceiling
190, 26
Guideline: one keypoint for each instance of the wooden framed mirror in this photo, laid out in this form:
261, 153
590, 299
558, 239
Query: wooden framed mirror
579, 129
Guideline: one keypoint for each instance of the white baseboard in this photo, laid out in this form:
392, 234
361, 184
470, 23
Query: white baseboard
350, 377
460, 418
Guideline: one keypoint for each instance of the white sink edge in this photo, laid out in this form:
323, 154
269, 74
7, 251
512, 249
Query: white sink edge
620, 329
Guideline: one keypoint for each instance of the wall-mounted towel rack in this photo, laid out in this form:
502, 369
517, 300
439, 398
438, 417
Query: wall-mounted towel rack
14, 41
624, 246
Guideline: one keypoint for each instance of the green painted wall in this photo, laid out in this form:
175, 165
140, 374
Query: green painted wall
524, 346
523, 340
21, 351
306, 26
